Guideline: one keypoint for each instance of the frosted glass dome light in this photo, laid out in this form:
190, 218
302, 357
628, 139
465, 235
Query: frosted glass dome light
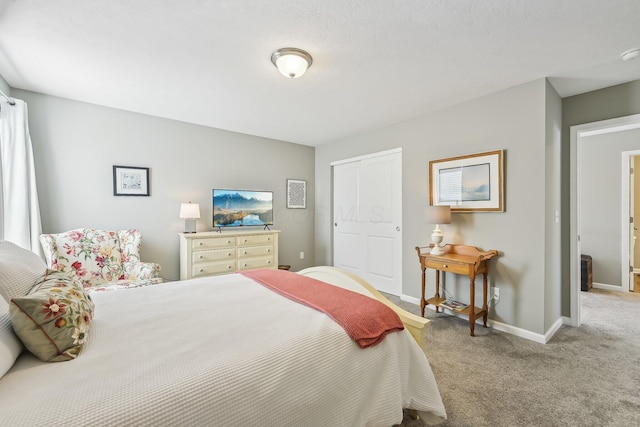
291, 62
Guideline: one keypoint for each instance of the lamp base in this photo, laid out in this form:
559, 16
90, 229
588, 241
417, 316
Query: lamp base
437, 250
436, 239
189, 225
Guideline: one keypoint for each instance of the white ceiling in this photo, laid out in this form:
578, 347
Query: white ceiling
376, 62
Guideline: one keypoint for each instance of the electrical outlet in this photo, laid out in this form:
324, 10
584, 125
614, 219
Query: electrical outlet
495, 295
301, 255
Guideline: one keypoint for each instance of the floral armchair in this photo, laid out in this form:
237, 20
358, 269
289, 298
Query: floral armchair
102, 260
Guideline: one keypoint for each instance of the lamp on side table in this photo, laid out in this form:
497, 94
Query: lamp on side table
438, 215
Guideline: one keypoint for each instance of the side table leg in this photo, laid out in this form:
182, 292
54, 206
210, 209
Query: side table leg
485, 307
472, 306
438, 290
422, 301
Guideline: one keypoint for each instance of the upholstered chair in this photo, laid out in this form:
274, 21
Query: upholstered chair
102, 260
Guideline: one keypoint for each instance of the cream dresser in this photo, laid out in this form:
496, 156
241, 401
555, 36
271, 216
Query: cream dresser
211, 253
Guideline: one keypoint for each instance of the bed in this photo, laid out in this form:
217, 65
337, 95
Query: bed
222, 351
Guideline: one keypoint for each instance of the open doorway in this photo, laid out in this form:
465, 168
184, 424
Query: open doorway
579, 134
630, 216
632, 158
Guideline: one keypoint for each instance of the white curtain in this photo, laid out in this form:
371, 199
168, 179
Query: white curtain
19, 208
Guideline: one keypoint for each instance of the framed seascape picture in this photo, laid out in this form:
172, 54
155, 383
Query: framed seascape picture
471, 183
130, 181
296, 194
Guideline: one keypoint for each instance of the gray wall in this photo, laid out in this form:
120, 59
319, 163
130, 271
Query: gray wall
612, 102
553, 196
76, 144
513, 120
600, 211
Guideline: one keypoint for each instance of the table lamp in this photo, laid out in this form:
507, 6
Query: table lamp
438, 215
189, 212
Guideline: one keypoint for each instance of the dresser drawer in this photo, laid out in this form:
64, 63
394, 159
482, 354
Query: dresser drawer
253, 251
258, 239
258, 262
213, 268
448, 266
212, 243
215, 255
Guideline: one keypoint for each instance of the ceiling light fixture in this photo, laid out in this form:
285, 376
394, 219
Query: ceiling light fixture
630, 55
291, 62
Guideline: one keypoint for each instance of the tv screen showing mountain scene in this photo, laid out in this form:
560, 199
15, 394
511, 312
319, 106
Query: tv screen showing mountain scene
238, 208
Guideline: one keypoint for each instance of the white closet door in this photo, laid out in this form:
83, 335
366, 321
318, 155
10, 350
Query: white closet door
367, 196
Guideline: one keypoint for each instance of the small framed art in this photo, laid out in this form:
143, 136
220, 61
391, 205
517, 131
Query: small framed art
471, 183
296, 194
130, 181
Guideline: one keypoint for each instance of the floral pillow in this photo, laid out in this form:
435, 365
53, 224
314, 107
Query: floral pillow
53, 320
94, 256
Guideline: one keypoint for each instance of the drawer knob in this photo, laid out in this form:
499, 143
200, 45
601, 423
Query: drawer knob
268, 250
228, 242
445, 265
201, 257
245, 252
200, 243
201, 270
228, 267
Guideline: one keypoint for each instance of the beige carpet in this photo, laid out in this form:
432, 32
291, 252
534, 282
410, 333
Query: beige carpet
586, 376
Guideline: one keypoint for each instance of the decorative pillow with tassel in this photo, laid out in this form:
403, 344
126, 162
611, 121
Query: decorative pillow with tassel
53, 320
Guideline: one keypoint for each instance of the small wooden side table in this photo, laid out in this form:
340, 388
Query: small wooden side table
459, 259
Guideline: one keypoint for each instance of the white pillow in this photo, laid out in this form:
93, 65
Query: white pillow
10, 345
19, 270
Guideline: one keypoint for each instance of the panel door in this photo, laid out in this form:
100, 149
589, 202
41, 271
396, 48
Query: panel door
368, 220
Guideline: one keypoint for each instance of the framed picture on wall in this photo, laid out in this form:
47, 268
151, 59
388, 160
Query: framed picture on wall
296, 194
130, 181
471, 183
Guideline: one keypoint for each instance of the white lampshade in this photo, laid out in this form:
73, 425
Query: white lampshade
291, 62
189, 212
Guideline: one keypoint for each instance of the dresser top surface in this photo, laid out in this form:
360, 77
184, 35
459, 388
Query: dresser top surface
207, 234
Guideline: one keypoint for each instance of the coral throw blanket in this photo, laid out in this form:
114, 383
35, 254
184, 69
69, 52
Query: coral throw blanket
366, 320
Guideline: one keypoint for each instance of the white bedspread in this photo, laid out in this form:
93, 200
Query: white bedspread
219, 351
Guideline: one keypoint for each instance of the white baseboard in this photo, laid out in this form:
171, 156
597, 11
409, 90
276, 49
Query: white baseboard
412, 300
607, 287
502, 327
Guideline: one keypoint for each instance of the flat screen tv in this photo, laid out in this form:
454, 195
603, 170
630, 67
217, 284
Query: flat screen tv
238, 208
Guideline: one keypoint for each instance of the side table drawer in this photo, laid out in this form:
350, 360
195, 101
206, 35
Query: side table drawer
252, 251
259, 262
213, 268
208, 256
448, 266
